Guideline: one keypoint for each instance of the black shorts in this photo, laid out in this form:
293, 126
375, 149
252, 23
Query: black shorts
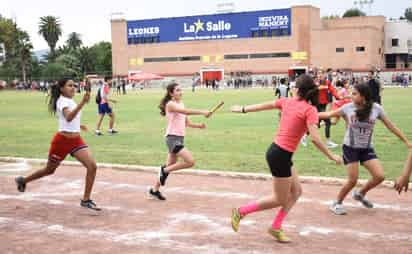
279, 161
351, 154
175, 143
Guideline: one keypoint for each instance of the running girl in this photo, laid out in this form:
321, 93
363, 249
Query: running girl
360, 117
67, 140
343, 93
299, 116
176, 114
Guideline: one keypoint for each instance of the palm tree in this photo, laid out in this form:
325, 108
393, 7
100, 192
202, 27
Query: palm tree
24, 48
86, 59
74, 41
50, 29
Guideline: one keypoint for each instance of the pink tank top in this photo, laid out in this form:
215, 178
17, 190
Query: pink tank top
176, 122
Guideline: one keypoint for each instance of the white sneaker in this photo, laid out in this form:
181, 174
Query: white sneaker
337, 208
304, 141
330, 144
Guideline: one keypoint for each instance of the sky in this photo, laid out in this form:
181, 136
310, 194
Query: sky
91, 18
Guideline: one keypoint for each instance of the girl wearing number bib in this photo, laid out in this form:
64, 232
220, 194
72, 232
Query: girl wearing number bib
360, 117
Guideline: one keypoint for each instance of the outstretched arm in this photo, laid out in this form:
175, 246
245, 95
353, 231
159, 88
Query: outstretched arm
172, 107
329, 114
254, 108
316, 140
402, 183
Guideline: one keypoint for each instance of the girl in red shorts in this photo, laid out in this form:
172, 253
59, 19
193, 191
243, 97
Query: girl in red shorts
67, 140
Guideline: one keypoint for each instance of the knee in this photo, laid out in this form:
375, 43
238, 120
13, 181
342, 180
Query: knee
50, 171
379, 178
92, 167
190, 163
352, 181
295, 195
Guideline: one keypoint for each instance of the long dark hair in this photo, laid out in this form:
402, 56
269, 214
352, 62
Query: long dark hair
307, 89
55, 93
169, 89
363, 113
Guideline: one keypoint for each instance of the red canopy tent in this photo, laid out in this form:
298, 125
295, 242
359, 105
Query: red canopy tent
142, 76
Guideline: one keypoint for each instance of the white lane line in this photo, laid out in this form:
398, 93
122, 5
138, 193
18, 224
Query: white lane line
29, 198
70, 184
164, 239
14, 167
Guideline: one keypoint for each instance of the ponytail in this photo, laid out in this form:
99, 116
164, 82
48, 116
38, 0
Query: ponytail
307, 89
169, 89
55, 94
363, 113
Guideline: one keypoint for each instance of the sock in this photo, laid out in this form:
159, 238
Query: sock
249, 208
277, 222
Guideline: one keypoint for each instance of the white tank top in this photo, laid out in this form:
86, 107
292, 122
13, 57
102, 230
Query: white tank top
64, 125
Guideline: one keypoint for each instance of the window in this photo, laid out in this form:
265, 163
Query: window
160, 59
189, 58
255, 34
360, 49
340, 50
270, 55
233, 57
265, 33
395, 42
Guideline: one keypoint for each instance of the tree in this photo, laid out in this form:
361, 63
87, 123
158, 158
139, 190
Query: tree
103, 57
74, 41
331, 17
354, 12
24, 50
86, 59
408, 14
50, 29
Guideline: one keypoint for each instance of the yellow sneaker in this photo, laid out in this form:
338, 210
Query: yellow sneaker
236, 217
279, 235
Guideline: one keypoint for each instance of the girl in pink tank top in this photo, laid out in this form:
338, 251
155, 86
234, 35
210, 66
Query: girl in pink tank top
343, 92
299, 115
176, 114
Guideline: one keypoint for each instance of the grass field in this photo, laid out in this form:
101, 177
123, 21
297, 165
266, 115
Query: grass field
232, 142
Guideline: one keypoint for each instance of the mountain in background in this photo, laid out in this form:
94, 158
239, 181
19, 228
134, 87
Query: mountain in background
40, 54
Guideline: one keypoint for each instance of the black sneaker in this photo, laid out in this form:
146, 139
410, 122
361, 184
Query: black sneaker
112, 131
156, 194
163, 175
21, 185
89, 204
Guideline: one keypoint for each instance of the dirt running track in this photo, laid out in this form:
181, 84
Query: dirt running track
194, 219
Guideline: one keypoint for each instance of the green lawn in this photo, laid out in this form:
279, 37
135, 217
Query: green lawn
232, 142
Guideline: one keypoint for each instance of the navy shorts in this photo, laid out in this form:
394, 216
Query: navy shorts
279, 161
104, 109
351, 154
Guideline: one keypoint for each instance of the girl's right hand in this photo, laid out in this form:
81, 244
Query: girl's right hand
337, 159
86, 98
207, 113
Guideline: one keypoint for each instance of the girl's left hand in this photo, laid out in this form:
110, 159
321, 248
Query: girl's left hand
84, 128
236, 109
202, 126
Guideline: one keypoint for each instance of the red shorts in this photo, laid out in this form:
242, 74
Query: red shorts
61, 146
337, 104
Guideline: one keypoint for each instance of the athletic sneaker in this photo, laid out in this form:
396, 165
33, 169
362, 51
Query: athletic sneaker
304, 141
330, 144
337, 208
279, 235
89, 204
162, 175
98, 133
359, 197
21, 185
112, 131
156, 194
236, 217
